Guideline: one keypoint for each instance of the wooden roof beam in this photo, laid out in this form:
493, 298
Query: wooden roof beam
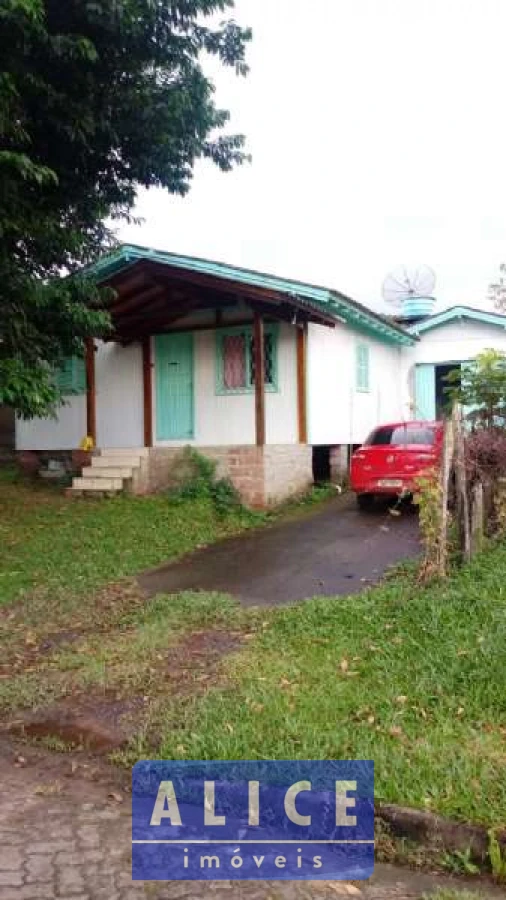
287, 312
131, 302
221, 285
142, 327
163, 274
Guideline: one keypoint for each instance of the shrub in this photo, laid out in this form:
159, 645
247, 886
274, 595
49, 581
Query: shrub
480, 387
200, 481
486, 455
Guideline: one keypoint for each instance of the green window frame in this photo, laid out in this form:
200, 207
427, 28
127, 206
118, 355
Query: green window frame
71, 376
363, 368
271, 338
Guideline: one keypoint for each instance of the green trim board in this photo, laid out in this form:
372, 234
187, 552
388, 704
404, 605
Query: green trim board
174, 380
271, 333
338, 306
456, 313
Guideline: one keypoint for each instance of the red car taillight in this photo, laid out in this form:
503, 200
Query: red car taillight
425, 457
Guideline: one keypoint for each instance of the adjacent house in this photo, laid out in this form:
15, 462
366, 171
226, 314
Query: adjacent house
447, 340
274, 379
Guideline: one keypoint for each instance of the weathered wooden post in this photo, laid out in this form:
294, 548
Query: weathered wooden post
446, 473
500, 504
477, 518
463, 519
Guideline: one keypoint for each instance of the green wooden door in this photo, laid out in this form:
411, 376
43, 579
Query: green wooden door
425, 392
174, 387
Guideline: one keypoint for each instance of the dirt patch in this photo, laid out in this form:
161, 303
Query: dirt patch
94, 726
195, 661
103, 721
52, 775
25, 644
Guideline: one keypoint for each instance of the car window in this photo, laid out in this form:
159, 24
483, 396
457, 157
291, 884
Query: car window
402, 435
379, 437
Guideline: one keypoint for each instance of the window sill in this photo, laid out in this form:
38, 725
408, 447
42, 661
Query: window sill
239, 392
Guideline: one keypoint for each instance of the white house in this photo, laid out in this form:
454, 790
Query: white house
267, 376
251, 369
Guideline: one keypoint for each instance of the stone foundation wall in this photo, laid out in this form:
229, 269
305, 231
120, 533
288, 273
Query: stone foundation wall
288, 471
32, 461
263, 476
163, 468
339, 462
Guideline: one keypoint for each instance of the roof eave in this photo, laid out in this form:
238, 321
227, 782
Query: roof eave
328, 302
360, 317
457, 313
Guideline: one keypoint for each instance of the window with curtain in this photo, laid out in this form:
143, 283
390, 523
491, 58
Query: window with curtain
236, 360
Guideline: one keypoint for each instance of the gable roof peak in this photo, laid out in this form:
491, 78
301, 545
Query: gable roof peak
457, 313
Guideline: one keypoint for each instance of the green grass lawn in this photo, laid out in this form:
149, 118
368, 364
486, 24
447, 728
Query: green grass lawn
413, 677
55, 551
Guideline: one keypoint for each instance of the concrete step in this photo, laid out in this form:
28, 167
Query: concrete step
138, 452
97, 484
111, 471
113, 462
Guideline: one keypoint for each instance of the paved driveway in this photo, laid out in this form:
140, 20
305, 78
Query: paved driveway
328, 550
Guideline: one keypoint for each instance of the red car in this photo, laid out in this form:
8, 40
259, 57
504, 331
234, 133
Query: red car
393, 457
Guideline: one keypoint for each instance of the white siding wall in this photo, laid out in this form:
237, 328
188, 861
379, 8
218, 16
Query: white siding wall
337, 412
64, 433
119, 407
219, 419
222, 419
120, 402
455, 342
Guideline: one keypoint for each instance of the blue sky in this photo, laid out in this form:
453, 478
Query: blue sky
377, 135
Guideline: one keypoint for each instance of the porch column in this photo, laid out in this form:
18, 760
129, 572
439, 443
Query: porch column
259, 351
302, 383
147, 382
91, 394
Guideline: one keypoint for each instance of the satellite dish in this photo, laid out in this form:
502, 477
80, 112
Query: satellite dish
407, 283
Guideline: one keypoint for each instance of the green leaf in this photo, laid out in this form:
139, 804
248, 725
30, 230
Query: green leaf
97, 98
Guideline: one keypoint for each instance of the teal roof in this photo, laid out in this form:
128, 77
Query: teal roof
456, 313
331, 302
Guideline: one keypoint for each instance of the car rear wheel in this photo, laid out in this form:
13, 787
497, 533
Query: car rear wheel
365, 502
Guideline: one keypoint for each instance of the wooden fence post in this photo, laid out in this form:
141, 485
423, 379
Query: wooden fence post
477, 518
463, 518
446, 473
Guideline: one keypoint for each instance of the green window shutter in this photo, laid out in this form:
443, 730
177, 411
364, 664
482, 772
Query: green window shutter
362, 367
79, 376
71, 377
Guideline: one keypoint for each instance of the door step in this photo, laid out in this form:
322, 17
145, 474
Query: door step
110, 472
115, 462
97, 484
